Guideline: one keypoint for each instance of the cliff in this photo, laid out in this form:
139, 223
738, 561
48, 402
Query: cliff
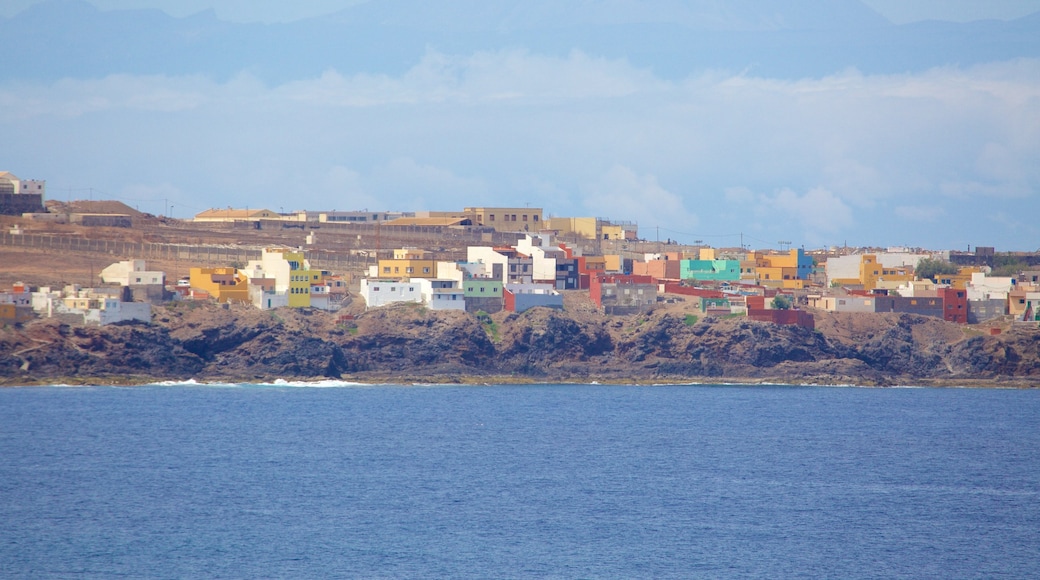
412, 344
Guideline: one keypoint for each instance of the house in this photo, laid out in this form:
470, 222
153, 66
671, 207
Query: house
872, 273
483, 294
712, 270
1032, 307
222, 284
406, 263
503, 263
659, 267
145, 285
378, 292
291, 273
521, 297
791, 270
506, 219
18, 196
441, 294
592, 228
16, 305
549, 262
90, 306
621, 294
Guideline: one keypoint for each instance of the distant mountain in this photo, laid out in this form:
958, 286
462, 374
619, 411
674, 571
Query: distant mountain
70, 38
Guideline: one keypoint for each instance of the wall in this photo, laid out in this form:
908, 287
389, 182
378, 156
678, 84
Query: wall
784, 317
17, 203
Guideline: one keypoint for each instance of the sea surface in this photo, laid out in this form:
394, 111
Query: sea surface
292, 481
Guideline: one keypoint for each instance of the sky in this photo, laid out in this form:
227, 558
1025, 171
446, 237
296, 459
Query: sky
945, 158
898, 11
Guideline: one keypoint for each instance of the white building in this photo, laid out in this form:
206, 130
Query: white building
10, 183
544, 255
379, 292
521, 297
505, 264
983, 287
441, 294
844, 267
131, 273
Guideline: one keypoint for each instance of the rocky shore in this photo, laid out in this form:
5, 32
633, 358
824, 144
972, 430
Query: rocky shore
408, 343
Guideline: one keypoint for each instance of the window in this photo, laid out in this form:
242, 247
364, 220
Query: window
525, 217
514, 217
491, 217
386, 269
426, 270
535, 217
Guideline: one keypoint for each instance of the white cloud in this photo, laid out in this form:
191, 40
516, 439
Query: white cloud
919, 213
497, 127
625, 195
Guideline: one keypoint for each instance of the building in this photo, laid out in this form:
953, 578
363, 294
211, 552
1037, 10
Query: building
872, 274
710, 270
503, 263
592, 228
18, 196
506, 219
379, 292
791, 270
222, 284
441, 294
521, 297
483, 294
132, 273
406, 263
230, 215
291, 275
623, 294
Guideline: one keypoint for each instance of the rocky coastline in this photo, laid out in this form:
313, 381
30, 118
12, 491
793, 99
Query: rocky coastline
409, 344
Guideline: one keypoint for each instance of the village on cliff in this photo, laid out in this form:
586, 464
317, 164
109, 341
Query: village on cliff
481, 260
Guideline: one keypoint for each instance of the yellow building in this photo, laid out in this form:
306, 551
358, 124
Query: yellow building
871, 272
584, 227
508, 219
591, 228
959, 280
408, 263
223, 284
235, 215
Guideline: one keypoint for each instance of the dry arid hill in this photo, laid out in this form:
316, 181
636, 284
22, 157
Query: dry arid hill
409, 343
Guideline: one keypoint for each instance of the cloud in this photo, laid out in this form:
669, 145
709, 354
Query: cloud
575, 134
629, 196
919, 213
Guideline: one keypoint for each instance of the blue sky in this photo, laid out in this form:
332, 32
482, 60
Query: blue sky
945, 157
898, 11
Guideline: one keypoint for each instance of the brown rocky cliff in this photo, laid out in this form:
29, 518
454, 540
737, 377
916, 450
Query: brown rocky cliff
412, 343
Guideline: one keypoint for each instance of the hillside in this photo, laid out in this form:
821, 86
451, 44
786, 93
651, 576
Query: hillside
411, 344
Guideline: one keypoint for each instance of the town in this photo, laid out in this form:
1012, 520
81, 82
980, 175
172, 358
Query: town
481, 260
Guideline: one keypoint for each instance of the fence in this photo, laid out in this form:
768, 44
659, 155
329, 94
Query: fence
193, 253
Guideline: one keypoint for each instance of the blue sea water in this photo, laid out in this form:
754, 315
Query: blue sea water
519, 481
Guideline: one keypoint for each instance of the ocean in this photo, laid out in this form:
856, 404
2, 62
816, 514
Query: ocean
351, 481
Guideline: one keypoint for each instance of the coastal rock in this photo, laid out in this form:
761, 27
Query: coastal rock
413, 343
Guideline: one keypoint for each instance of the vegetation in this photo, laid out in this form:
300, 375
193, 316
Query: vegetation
1008, 266
781, 302
929, 268
489, 325
690, 320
